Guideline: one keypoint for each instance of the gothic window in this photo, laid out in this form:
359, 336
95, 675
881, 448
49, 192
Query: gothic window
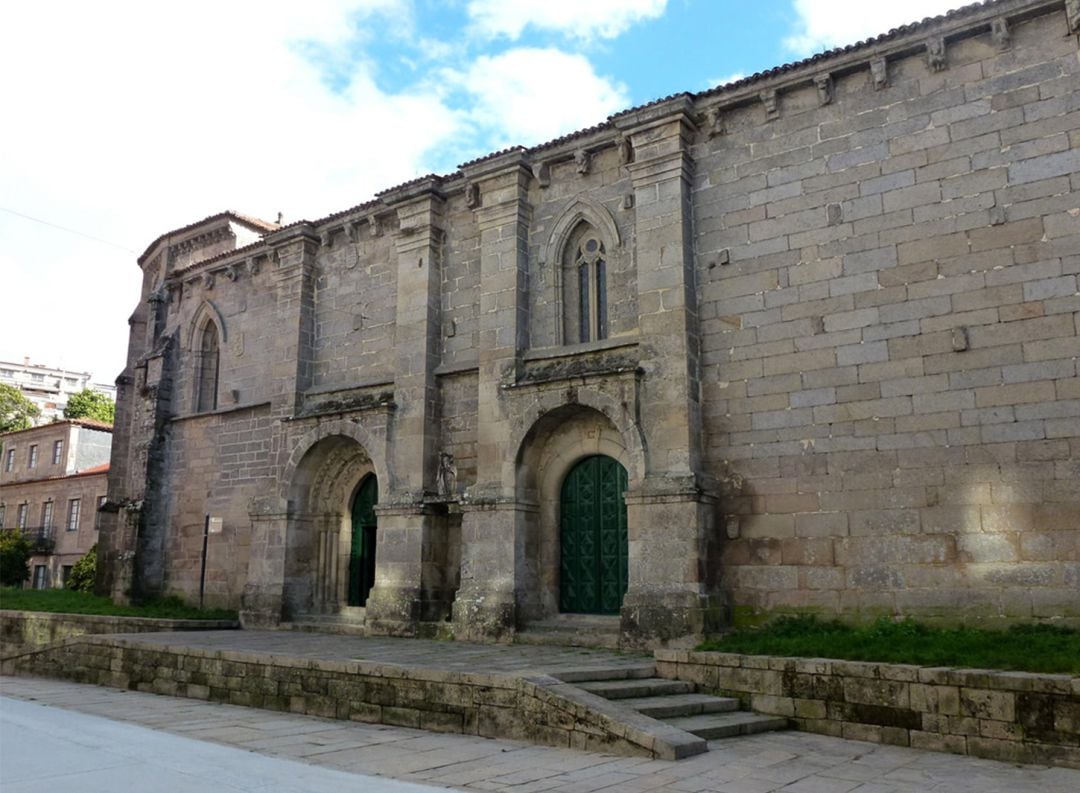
207, 375
585, 287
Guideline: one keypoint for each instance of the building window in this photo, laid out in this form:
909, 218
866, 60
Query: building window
3, 511
41, 576
9, 463
37, 378
31, 460
585, 295
57, 452
207, 388
46, 515
97, 515
65, 574
20, 520
73, 515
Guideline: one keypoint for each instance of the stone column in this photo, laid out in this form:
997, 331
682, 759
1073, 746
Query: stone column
408, 582
671, 593
493, 529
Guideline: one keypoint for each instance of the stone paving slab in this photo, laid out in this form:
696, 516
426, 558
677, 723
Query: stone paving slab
420, 653
792, 762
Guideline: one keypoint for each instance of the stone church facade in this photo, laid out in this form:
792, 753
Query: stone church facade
807, 341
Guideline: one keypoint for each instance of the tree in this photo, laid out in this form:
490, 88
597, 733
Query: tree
16, 411
15, 552
84, 572
90, 404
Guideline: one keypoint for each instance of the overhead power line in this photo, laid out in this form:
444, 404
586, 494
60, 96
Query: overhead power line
69, 231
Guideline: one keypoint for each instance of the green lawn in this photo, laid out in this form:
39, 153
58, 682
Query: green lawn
66, 601
1028, 648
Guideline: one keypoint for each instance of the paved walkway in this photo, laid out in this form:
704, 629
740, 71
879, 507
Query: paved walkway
791, 762
416, 653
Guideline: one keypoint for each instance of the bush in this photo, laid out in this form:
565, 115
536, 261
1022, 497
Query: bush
84, 572
15, 553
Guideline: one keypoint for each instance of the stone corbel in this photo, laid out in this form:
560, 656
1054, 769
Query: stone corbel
232, 272
714, 122
253, 266
1072, 15
879, 70
326, 238
375, 226
826, 89
1000, 33
771, 102
935, 54
542, 173
626, 150
582, 160
208, 281
351, 228
472, 195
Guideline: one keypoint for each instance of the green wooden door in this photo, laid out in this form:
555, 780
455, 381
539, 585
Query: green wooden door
362, 554
593, 537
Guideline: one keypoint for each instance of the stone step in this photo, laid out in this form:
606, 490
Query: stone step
647, 687
576, 630
711, 726
674, 705
592, 673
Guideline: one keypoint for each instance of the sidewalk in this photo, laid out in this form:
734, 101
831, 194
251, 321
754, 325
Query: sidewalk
790, 761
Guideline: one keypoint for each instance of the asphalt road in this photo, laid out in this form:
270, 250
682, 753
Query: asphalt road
45, 749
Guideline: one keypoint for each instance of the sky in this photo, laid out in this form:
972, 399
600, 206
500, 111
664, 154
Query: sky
124, 120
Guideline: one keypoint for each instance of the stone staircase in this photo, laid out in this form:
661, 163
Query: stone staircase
675, 703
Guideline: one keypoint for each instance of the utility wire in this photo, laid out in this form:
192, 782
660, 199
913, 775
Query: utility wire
70, 231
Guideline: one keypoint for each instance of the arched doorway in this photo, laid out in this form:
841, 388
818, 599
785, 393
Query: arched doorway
362, 550
593, 538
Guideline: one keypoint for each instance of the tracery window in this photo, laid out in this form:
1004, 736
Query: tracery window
585, 298
207, 375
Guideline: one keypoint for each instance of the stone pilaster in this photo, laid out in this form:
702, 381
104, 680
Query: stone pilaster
492, 531
408, 584
263, 596
671, 517
292, 264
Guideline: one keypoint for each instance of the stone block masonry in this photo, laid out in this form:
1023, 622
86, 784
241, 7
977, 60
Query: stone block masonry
1012, 716
531, 707
823, 325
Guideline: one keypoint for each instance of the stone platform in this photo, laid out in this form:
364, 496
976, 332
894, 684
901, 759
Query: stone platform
533, 693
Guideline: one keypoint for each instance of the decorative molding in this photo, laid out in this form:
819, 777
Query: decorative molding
771, 102
826, 88
936, 55
879, 70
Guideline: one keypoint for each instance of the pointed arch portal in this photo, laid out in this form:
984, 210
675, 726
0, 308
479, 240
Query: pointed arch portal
593, 537
364, 532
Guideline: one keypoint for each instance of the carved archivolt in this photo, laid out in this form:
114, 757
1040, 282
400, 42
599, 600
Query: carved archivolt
206, 312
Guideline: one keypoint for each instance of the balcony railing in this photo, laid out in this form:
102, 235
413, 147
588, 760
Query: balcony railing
41, 538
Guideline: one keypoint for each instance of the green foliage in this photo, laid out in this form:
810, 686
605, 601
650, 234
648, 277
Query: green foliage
1029, 648
84, 573
90, 404
15, 553
66, 601
16, 411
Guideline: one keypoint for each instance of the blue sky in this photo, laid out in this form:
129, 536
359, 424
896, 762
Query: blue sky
135, 118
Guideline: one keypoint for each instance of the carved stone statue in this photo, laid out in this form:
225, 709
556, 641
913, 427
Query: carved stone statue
447, 475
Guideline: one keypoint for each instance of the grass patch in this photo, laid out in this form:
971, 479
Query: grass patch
1026, 648
65, 601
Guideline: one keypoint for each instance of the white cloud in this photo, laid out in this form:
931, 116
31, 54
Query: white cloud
130, 119
718, 81
582, 19
823, 24
532, 95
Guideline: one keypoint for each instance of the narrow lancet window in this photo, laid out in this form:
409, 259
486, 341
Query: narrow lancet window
208, 370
